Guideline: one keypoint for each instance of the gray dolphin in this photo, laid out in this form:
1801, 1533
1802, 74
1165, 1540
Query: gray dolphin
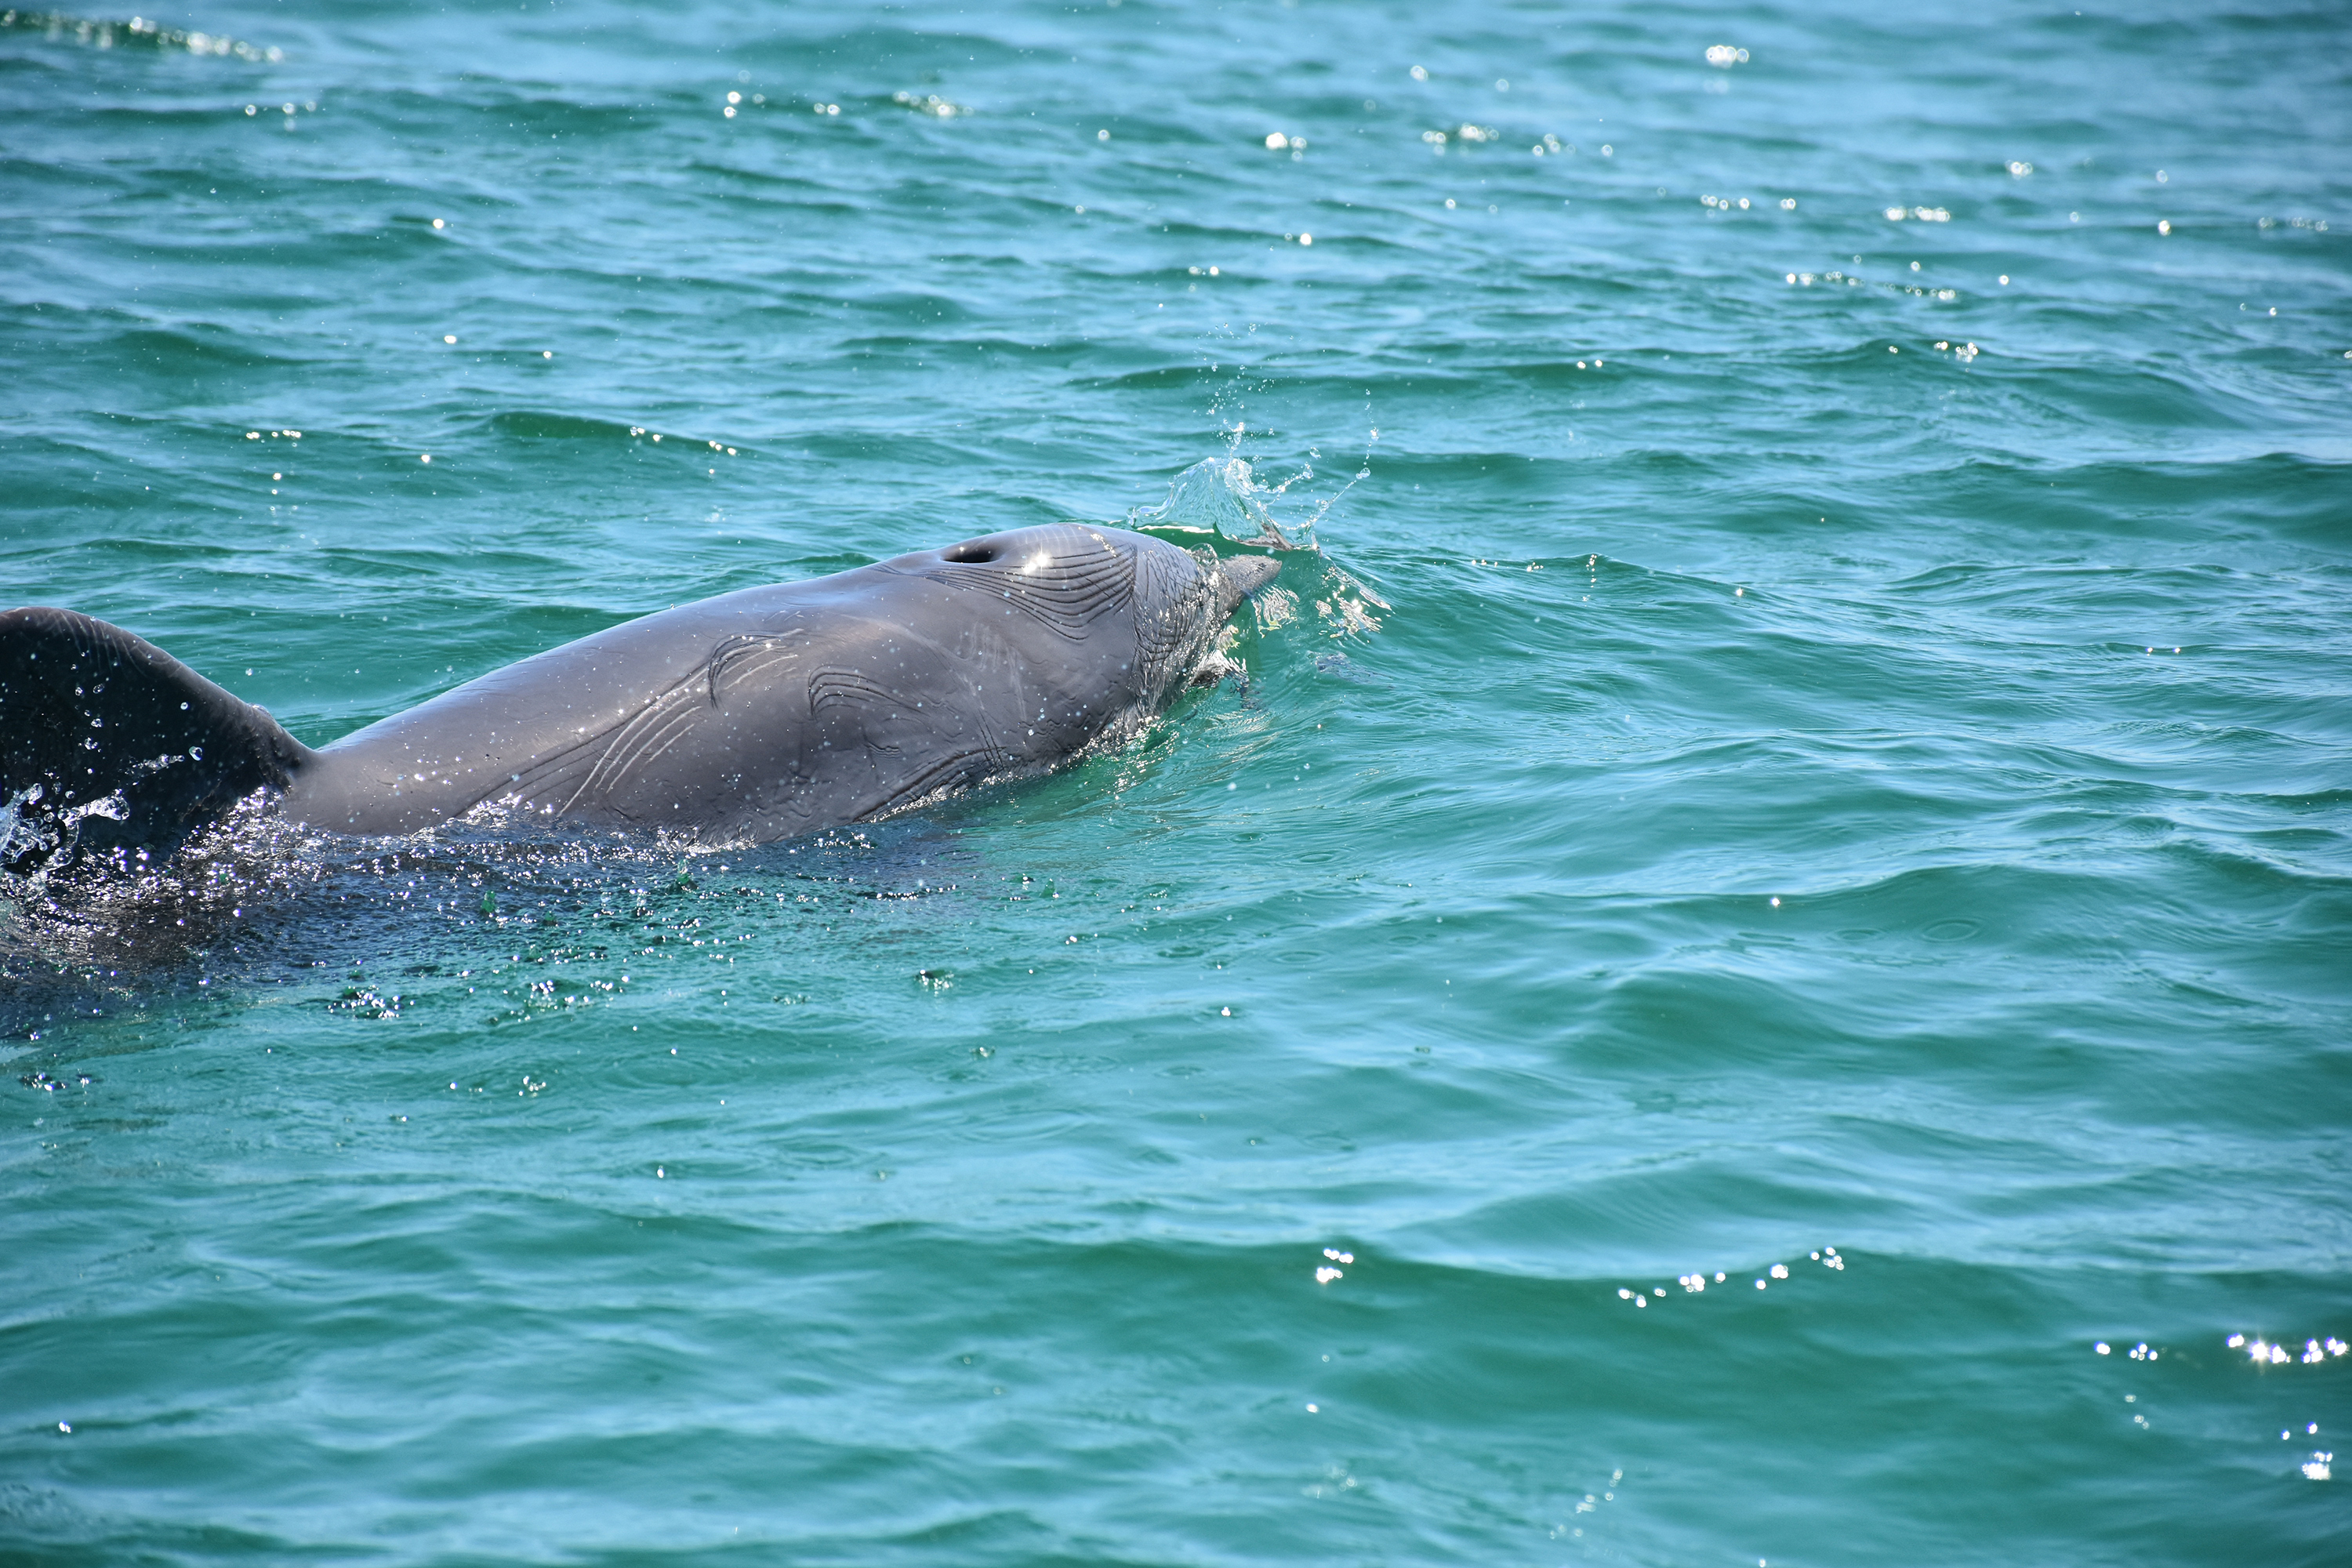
752, 716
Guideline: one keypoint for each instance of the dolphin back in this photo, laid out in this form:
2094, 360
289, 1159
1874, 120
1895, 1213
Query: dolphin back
110, 746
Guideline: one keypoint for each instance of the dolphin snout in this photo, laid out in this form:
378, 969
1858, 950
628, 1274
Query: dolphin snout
1239, 576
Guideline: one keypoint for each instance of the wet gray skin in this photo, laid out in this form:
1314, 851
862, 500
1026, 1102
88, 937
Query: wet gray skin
783, 709
755, 715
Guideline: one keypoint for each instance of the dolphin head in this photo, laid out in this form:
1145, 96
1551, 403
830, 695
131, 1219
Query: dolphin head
1083, 568
1104, 590
1239, 576
1182, 600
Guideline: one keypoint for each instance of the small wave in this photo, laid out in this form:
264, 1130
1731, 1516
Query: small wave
533, 425
930, 103
178, 351
139, 32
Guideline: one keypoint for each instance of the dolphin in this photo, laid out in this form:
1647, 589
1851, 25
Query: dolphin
753, 716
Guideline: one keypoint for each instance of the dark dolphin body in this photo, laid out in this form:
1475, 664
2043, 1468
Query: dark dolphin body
756, 715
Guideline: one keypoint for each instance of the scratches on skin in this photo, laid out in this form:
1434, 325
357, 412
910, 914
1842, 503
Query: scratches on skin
1171, 636
1064, 586
854, 712
960, 770
740, 658
659, 726
600, 769
847, 693
851, 705
596, 767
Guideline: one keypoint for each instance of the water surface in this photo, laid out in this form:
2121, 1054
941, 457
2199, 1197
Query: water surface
1819, 742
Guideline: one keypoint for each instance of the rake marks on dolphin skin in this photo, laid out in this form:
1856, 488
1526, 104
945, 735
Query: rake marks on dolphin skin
740, 658
605, 764
1066, 586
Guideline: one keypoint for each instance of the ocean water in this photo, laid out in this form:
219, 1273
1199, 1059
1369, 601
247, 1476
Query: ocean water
1758, 971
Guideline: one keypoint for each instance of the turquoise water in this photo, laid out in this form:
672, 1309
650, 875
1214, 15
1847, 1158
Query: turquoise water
1821, 739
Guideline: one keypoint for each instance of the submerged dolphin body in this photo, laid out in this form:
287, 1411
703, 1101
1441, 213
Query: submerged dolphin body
755, 715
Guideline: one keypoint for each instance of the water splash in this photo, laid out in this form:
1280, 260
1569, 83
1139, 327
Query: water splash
1221, 496
38, 841
254, 904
